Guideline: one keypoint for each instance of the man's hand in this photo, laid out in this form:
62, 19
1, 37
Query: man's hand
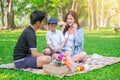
34, 53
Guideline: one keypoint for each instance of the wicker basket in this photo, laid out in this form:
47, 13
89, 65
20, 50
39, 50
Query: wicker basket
54, 69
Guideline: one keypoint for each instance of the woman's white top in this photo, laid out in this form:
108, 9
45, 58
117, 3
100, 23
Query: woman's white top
70, 41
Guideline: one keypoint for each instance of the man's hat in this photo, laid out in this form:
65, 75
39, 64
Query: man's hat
52, 21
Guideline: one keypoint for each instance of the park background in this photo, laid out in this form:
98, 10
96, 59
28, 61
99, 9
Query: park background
99, 18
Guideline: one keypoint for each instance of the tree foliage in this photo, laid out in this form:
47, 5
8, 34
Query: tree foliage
105, 13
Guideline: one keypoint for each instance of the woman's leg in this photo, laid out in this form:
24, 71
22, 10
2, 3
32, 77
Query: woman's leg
80, 57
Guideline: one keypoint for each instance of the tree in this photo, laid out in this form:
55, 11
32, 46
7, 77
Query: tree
2, 12
9, 15
92, 15
60, 6
89, 15
74, 5
53, 8
60, 11
118, 10
97, 14
102, 14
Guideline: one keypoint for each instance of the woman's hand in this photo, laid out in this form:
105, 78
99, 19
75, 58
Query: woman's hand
62, 23
75, 29
75, 26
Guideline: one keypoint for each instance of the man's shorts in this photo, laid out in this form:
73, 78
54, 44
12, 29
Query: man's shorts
27, 62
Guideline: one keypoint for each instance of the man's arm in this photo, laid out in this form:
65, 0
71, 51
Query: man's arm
35, 53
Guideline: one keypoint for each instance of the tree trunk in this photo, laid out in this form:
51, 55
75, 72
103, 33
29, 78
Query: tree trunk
119, 13
2, 11
76, 7
106, 20
73, 5
97, 14
119, 20
89, 15
102, 14
108, 15
60, 12
93, 14
12, 24
9, 15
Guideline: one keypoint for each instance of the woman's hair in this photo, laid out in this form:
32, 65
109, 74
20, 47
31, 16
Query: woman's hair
74, 15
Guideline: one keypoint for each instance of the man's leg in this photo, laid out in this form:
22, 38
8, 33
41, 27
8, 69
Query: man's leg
43, 60
46, 51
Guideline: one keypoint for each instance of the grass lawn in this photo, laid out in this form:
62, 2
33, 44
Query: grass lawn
103, 42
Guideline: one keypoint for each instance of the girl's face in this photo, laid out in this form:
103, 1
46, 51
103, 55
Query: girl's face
70, 20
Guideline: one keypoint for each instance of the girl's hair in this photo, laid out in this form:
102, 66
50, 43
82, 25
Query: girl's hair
74, 15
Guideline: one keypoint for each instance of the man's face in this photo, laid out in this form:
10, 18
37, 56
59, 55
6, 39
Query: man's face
52, 27
41, 24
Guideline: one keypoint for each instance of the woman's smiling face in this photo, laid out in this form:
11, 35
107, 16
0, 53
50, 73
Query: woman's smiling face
70, 20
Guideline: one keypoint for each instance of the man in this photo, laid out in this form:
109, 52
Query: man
25, 52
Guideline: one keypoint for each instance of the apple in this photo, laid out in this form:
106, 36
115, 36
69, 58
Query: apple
78, 69
82, 67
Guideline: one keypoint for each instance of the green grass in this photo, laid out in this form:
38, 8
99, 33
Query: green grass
103, 42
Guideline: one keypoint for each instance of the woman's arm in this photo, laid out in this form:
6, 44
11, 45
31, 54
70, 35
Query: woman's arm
35, 53
80, 37
63, 25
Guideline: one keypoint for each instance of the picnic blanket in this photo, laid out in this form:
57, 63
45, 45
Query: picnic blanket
94, 61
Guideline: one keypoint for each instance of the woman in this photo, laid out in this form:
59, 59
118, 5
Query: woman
74, 35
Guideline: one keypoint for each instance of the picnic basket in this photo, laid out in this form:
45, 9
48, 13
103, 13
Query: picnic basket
54, 69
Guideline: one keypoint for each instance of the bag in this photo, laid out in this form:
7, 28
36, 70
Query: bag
54, 69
